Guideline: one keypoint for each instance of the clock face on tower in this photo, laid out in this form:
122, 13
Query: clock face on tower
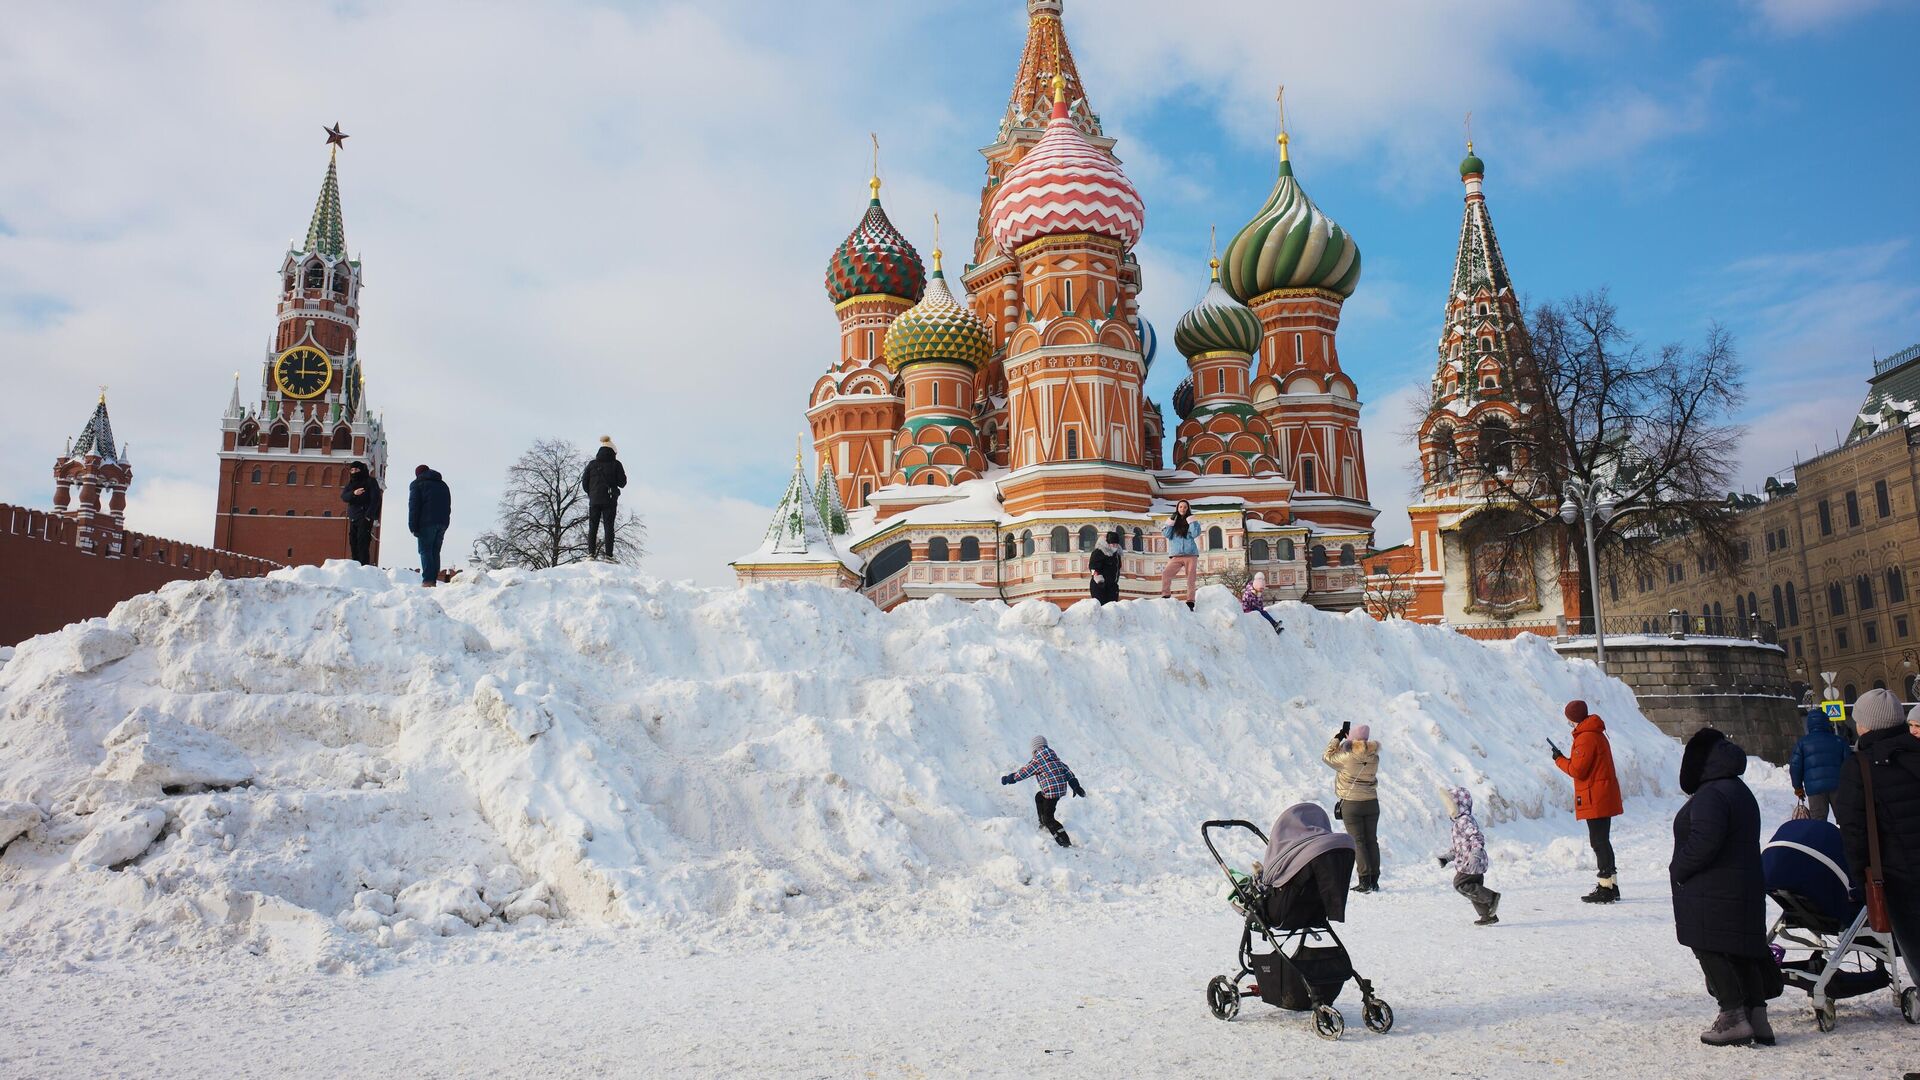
303, 372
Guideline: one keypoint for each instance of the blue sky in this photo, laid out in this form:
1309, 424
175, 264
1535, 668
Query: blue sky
613, 217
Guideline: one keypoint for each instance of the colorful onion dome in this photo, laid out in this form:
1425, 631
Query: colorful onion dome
1218, 323
1065, 184
1149, 341
1183, 398
937, 328
875, 259
1471, 165
1290, 244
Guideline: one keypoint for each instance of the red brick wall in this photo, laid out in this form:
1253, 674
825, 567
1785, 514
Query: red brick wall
48, 580
253, 518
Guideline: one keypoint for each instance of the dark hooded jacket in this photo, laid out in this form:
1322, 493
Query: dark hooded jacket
366, 505
1719, 890
1895, 756
1818, 756
1106, 564
603, 477
429, 503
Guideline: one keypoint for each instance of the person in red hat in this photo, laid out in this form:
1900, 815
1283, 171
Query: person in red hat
1596, 793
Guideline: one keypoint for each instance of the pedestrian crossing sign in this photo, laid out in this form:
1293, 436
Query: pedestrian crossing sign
1836, 710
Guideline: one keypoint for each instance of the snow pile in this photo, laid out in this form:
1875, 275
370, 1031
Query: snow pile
331, 760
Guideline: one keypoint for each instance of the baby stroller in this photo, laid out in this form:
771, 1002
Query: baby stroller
1805, 868
1296, 917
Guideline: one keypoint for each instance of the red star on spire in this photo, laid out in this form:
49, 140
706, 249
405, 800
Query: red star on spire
336, 137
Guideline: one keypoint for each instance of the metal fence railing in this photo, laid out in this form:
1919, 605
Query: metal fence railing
1671, 624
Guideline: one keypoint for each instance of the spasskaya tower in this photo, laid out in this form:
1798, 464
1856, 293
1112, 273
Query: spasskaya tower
285, 445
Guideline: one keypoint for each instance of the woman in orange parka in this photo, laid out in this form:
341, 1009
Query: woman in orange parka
1596, 793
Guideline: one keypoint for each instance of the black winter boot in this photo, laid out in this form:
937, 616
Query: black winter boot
1762, 1030
1060, 837
1606, 892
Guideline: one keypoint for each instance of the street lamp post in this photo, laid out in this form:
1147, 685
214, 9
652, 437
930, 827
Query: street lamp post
1584, 502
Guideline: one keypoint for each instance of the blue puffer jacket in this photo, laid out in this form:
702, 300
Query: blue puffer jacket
1817, 757
1182, 545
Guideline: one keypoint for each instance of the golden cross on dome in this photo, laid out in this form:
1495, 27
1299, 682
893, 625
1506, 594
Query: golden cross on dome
1280, 97
936, 240
1213, 250
874, 184
1059, 76
1469, 126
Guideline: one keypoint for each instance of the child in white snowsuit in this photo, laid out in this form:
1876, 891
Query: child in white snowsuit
1055, 781
1468, 855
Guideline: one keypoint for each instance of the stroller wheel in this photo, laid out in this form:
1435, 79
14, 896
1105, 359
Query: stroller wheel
1910, 1004
1826, 1017
1328, 1023
1223, 997
1379, 1016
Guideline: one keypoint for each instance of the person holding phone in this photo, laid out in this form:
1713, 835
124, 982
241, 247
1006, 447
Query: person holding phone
1596, 793
1356, 762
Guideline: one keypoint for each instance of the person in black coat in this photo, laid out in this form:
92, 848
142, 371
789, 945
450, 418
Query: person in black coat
362, 496
1103, 569
1719, 891
1888, 745
602, 480
429, 512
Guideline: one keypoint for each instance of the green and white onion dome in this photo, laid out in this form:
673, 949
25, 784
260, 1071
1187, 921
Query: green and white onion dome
937, 328
1218, 323
1290, 244
1471, 165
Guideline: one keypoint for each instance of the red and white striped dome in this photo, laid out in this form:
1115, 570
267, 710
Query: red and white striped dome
1065, 184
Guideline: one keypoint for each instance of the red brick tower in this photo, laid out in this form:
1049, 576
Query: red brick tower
91, 481
1295, 267
856, 408
283, 461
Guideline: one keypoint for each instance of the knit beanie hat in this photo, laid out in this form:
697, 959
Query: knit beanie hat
1577, 711
1039, 742
607, 441
1877, 709
1360, 733
421, 470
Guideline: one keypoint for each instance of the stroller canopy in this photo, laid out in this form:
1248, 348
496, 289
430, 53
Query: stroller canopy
1807, 859
1302, 833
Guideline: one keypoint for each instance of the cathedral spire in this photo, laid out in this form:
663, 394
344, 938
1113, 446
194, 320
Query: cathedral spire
1045, 62
327, 233
1478, 262
796, 527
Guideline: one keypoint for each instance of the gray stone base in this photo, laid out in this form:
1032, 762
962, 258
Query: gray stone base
1686, 684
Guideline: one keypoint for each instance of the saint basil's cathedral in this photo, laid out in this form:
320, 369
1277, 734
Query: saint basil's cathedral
978, 444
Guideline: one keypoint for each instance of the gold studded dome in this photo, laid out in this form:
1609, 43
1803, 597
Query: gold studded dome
937, 329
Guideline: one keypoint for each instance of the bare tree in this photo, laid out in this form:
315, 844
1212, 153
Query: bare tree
543, 515
1654, 430
1389, 589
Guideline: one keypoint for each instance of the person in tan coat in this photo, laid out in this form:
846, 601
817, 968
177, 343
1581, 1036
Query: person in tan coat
1356, 765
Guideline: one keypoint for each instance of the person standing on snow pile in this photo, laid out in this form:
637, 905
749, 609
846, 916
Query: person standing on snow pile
429, 512
1356, 765
1055, 781
1183, 550
1720, 892
1596, 793
1892, 750
1816, 763
1103, 569
362, 496
1254, 600
602, 480
1468, 856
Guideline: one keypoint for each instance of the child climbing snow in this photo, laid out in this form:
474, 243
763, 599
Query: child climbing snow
1055, 781
1469, 856
1254, 600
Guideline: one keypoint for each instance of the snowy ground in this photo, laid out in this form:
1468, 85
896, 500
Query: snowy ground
584, 823
1099, 989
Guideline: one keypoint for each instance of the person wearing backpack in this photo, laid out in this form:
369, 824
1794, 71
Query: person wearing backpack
1889, 748
1816, 763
